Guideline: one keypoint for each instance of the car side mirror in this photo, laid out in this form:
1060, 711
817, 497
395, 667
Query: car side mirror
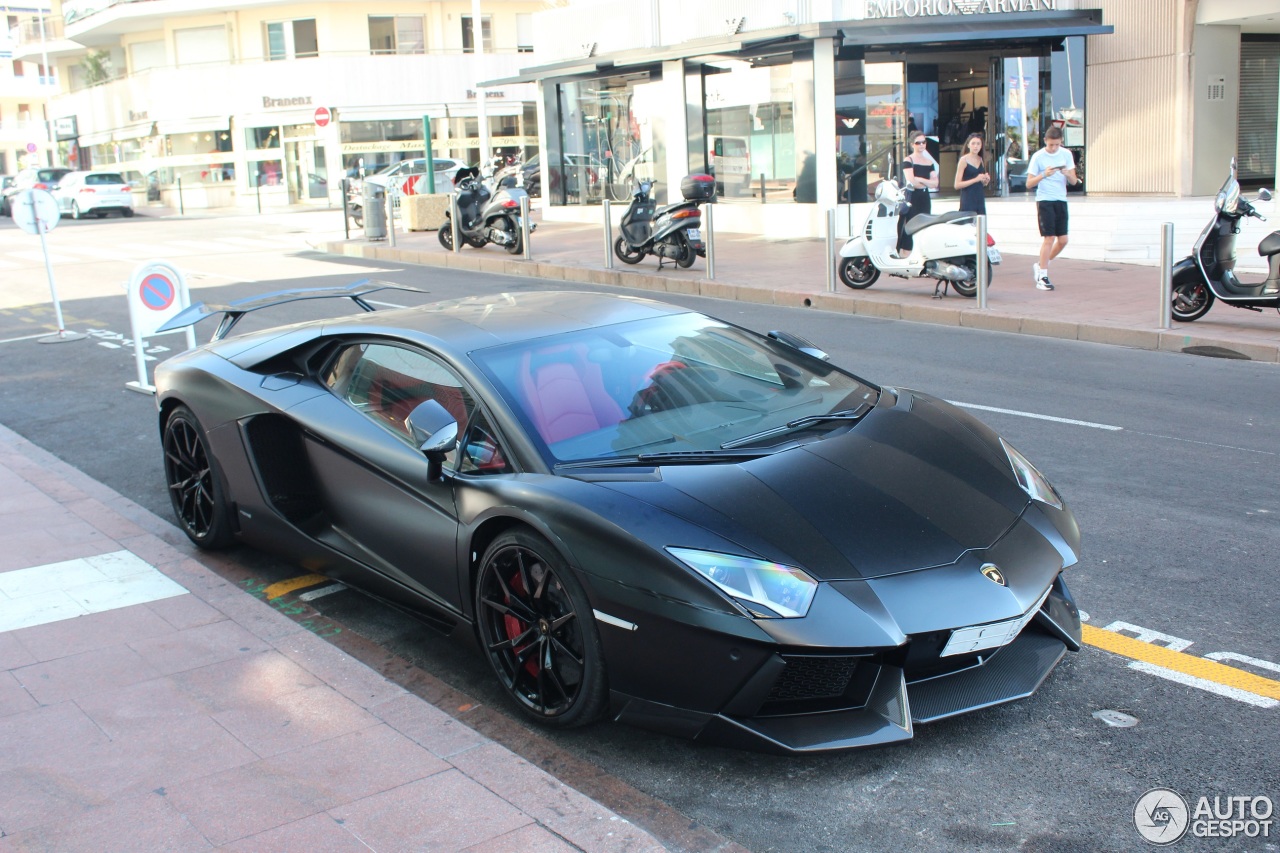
435, 432
803, 344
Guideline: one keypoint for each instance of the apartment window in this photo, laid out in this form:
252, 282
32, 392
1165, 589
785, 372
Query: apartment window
468, 40
201, 44
291, 39
17, 68
146, 54
396, 34
524, 32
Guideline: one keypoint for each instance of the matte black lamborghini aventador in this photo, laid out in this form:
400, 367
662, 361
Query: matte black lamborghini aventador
642, 512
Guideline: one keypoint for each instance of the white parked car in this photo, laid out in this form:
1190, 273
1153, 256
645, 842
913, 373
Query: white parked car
99, 193
409, 176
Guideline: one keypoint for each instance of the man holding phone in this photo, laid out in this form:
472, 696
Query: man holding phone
1050, 170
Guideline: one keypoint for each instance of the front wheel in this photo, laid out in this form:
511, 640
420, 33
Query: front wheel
195, 484
1191, 301
625, 253
538, 631
858, 273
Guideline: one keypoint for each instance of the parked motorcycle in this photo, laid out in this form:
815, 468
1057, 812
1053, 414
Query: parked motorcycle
1208, 273
944, 247
487, 214
673, 232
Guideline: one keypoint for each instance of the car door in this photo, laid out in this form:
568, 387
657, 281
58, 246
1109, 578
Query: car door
372, 479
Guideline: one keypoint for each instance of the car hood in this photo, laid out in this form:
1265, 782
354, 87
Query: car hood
910, 487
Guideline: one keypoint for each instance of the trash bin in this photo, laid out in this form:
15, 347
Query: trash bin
375, 211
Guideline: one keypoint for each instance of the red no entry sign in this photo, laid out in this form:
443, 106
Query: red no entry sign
322, 116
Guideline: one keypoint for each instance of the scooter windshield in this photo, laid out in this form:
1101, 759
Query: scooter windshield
1228, 200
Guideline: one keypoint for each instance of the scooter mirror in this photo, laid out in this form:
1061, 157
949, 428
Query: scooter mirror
1264, 194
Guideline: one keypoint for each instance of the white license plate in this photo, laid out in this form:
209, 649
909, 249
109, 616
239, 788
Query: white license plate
991, 636
695, 234
993, 255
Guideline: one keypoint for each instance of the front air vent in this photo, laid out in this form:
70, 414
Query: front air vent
815, 683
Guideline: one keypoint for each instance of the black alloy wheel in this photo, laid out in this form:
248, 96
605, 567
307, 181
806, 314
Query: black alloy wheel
538, 631
195, 487
445, 234
625, 253
1191, 301
858, 273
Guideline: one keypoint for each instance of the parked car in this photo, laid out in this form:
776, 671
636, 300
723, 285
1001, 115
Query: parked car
99, 193
639, 512
408, 176
38, 178
6, 181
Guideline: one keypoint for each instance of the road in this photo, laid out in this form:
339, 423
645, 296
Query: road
1168, 460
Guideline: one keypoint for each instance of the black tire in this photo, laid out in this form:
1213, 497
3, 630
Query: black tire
127, 212
970, 288
357, 216
1191, 301
507, 224
625, 253
687, 253
195, 482
445, 235
858, 272
537, 629
101, 214
75, 211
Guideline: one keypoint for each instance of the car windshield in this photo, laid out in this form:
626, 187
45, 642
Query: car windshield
684, 387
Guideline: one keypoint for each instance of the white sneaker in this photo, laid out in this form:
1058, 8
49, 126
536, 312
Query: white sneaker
1035, 273
1043, 283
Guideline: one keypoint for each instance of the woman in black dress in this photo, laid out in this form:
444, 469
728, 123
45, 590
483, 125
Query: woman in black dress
920, 173
972, 177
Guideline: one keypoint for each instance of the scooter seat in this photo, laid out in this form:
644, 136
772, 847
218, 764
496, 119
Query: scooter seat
1270, 245
924, 220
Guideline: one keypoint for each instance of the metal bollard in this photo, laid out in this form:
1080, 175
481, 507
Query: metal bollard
182, 210
391, 215
831, 250
524, 227
453, 222
608, 234
762, 198
983, 266
710, 239
1166, 275
346, 211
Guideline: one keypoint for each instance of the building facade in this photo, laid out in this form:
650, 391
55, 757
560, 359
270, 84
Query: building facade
798, 107
27, 86
272, 103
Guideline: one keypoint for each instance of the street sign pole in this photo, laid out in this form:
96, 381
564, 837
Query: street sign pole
37, 214
431, 159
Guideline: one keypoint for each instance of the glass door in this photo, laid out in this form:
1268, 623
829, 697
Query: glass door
1022, 104
305, 171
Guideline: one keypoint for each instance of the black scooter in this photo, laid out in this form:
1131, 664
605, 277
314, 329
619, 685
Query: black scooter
672, 233
485, 214
1208, 273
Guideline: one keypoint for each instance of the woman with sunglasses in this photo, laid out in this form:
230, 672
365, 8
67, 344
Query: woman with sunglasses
920, 174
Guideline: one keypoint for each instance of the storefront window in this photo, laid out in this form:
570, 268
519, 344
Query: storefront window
611, 135
381, 131
265, 173
204, 142
260, 138
871, 125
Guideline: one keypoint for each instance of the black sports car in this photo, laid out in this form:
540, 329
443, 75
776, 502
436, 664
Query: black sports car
642, 512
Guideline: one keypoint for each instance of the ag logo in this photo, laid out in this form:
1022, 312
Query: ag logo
1161, 816
992, 573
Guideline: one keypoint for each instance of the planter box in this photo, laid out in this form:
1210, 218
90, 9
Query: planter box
424, 212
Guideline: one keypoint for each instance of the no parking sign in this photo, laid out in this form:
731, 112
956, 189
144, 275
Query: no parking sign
157, 291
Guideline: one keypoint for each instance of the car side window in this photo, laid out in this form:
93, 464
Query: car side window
482, 453
386, 382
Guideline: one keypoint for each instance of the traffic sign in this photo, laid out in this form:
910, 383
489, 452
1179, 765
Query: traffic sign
32, 206
322, 116
157, 292
32, 148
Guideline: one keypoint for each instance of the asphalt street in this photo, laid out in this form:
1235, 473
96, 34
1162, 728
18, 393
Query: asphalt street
1168, 460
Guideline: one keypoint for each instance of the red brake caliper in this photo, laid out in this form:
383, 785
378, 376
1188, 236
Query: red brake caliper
514, 627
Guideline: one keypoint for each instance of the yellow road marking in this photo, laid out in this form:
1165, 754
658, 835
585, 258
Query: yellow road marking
1181, 662
285, 587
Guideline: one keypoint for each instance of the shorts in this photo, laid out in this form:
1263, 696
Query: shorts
1053, 218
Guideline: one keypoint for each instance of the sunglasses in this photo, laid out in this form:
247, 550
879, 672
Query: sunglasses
918, 142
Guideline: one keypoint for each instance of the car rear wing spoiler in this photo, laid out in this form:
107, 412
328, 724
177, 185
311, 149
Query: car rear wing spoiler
233, 311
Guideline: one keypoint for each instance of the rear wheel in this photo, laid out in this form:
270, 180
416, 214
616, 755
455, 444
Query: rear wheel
1191, 301
970, 287
128, 211
75, 211
513, 243
625, 253
538, 631
687, 254
858, 273
195, 483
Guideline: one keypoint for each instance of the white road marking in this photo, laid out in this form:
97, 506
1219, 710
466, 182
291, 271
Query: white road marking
322, 592
1205, 684
385, 304
1020, 414
26, 338
1147, 635
1244, 659
65, 590
1204, 443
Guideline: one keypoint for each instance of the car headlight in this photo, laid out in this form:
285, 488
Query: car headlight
1032, 481
769, 590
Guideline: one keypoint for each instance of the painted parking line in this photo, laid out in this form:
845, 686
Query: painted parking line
322, 592
1187, 669
1037, 417
276, 590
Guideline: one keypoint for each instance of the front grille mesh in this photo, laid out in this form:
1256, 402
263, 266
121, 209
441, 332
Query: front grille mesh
807, 678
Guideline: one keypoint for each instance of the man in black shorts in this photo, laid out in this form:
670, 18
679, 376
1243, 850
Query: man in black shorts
1050, 170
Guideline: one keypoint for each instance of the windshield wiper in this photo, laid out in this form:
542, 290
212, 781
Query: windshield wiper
665, 457
799, 424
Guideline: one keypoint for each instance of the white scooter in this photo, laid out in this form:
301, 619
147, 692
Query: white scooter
944, 247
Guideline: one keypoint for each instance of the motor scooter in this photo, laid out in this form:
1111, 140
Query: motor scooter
486, 214
1208, 273
944, 247
672, 233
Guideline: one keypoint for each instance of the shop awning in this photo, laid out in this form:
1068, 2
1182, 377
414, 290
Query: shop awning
133, 131
88, 139
1029, 26
192, 125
